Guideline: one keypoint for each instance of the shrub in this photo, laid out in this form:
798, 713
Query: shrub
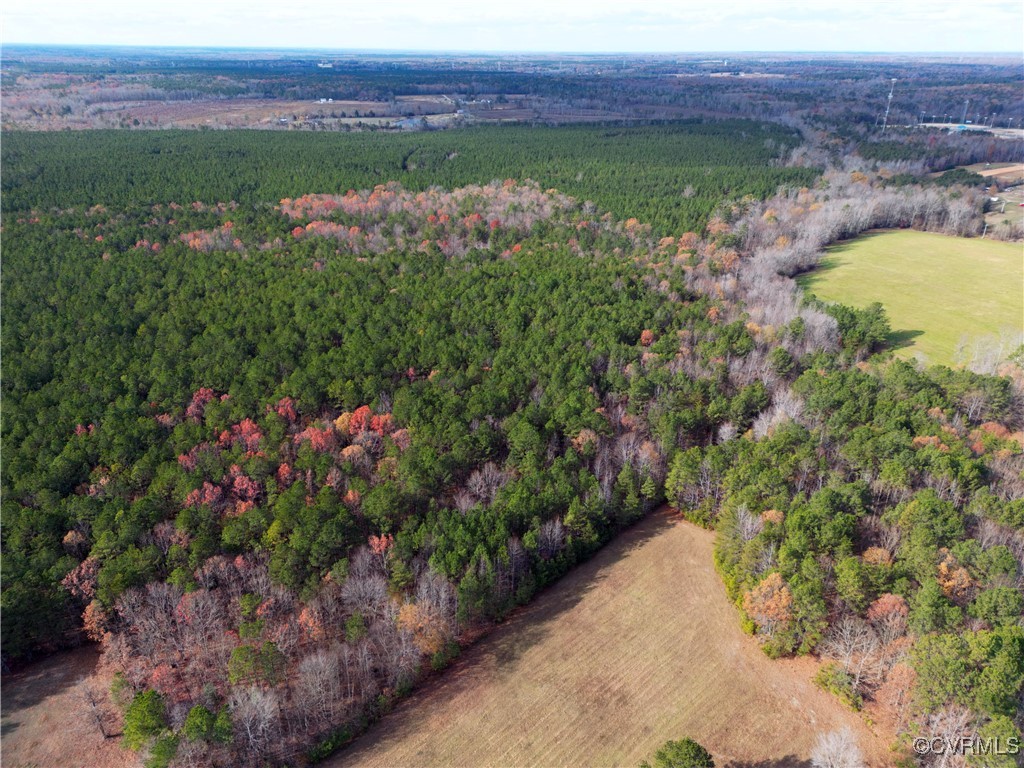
445, 656
163, 751
686, 753
355, 628
836, 680
330, 745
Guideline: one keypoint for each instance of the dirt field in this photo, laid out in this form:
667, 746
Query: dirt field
21, 109
638, 646
47, 721
1003, 172
260, 112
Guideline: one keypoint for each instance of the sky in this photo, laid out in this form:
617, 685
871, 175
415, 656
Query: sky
677, 26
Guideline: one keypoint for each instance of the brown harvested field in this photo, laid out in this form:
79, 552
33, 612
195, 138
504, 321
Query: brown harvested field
226, 113
47, 721
1008, 171
255, 112
1003, 173
638, 646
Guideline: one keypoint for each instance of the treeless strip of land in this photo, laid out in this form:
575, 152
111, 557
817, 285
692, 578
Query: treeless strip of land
638, 646
249, 112
1007, 171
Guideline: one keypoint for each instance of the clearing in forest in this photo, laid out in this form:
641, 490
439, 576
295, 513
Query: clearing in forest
48, 719
945, 296
637, 646
1007, 173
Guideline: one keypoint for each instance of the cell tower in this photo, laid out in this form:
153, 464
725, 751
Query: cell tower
888, 105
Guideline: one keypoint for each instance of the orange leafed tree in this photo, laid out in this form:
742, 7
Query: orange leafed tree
877, 556
428, 631
887, 605
896, 693
770, 604
96, 622
954, 579
888, 615
688, 241
312, 624
360, 420
584, 438
717, 226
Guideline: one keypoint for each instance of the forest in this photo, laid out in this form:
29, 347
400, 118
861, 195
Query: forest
287, 417
672, 177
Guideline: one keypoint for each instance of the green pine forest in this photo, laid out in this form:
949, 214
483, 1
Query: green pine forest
269, 395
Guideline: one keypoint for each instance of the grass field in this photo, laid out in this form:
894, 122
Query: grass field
48, 722
937, 290
637, 646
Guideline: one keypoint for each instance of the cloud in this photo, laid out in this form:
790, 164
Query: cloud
581, 25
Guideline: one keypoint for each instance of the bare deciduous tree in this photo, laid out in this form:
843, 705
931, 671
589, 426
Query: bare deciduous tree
837, 749
485, 482
319, 685
438, 597
748, 525
367, 595
551, 538
949, 724
464, 501
254, 712
854, 644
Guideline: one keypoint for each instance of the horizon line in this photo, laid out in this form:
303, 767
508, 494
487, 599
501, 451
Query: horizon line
503, 52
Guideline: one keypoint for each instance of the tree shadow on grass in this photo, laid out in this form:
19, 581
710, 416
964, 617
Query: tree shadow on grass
902, 339
40, 680
48, 677
789, 761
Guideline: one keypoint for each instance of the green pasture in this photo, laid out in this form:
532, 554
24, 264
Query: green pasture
937, 291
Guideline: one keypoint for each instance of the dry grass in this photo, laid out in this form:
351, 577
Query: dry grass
638, 646
212, 112
241, 113
1006, 173
47, 721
